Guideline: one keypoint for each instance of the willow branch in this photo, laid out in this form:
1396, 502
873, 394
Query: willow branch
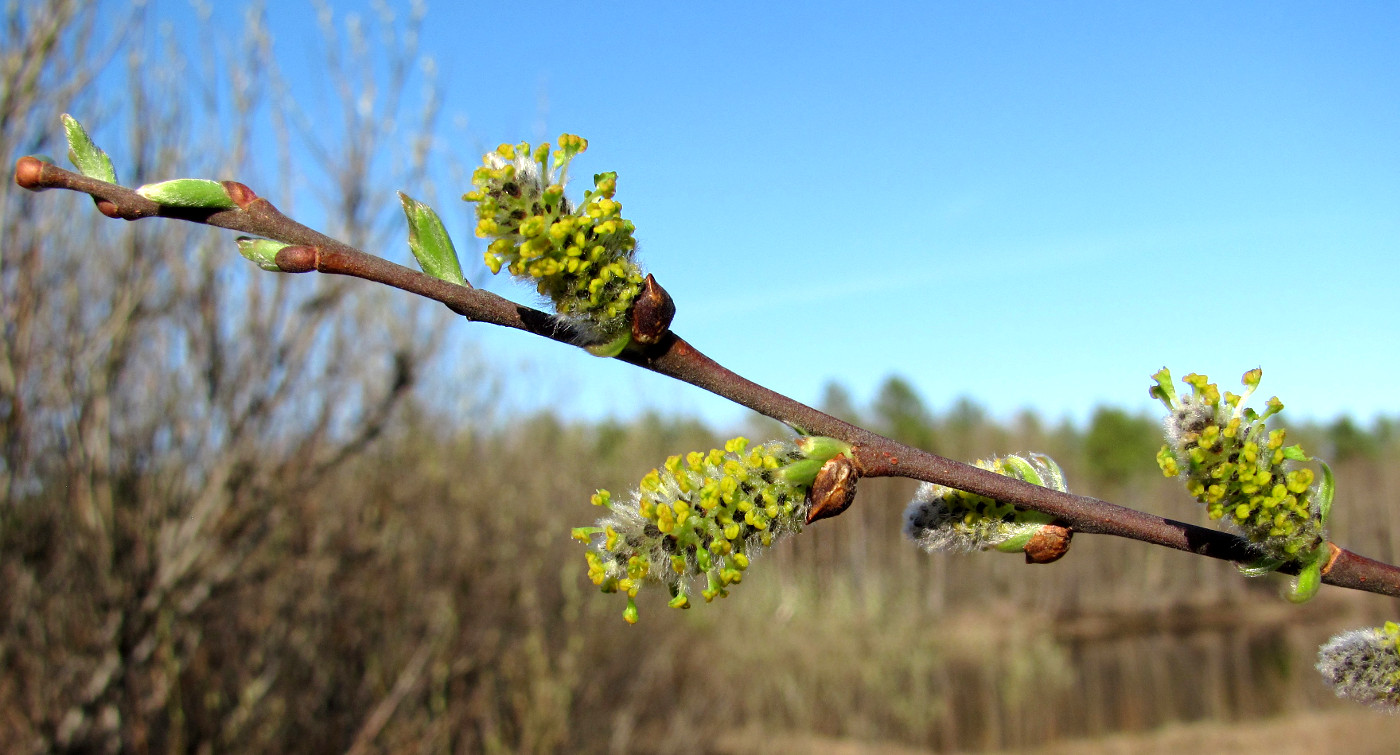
875, 455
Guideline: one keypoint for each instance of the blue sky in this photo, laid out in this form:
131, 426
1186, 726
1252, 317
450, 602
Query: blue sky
1031, 204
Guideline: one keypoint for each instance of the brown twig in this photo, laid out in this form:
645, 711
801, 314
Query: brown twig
874, 455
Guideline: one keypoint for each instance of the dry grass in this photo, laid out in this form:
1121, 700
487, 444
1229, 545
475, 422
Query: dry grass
1352, 732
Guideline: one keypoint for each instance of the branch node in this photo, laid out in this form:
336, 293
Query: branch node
1335, 551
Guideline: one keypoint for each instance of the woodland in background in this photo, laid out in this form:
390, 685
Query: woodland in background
236, 519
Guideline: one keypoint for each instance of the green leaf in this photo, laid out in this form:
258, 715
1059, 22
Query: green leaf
1016, 543
85, 156
1164, 391
821, 447
1326, 492
1057, 475
1309, 579
1028, 524
1022, 470
190, 193
1031, 516
431, 245
801, 472
609, 348
1259, 567
1295, 453
261, 252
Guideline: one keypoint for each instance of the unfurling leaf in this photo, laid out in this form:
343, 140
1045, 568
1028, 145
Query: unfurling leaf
261, 252
85, 156
189, 193
431, 245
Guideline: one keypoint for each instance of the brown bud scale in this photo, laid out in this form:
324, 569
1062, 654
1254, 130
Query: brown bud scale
297, 259
29, 173
1048, 545
240, 194
833, 490
652, 312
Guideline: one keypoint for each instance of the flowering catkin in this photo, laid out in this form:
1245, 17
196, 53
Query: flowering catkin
946, 519
703, 515
580, 258
1240, 469
1364, 665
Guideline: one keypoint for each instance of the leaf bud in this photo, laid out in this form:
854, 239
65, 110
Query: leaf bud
189, 193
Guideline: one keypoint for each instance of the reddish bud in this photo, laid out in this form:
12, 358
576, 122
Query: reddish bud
833, 490
297, 259
240, 194
1048, 545
652, 311
29, 173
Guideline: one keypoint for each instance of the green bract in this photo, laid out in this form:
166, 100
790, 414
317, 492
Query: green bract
946, 519
86, 156
189, 193
261, 252
581, 258
702, 515
1364, 665
1242, 471
429, 242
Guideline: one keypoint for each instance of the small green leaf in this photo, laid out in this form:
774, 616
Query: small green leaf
1309, 579
801, 472
1163, 390
609, 348
1326, 492
1016, 543
1031, 516
85, 156
1055, 477
1295, 453
191, 193
1022, 470
1259, 567
431, 245
821, 448
1028, 524
261, 252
